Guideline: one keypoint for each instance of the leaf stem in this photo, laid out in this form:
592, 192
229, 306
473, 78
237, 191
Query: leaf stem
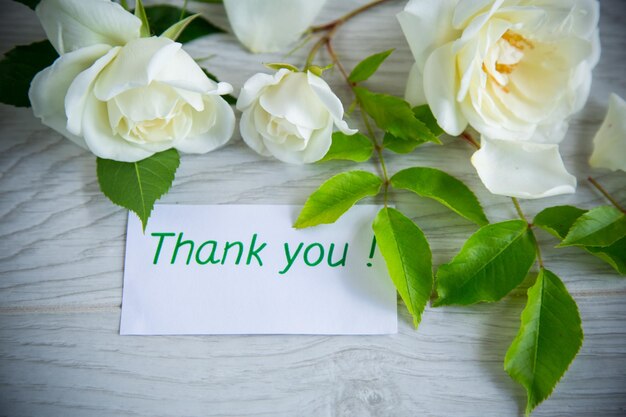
370, 131
124, 4
518, 208
183, 10
343, 19
606, 194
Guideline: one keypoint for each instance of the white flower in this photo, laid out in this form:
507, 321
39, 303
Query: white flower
514, 70
121, 96
609, 144
271, 25
290, 115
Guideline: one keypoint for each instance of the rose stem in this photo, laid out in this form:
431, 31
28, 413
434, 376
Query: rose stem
606, 194
326, 40
343, 19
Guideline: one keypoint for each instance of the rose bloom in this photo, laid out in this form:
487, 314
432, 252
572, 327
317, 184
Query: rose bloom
121, 96
514, 71
290, 115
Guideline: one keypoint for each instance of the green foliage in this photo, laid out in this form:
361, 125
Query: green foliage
614, 254
357, 147
600, 226
368, 66
444, 188
426, 116
399, 145
548, 340
138, 185
492, 262
394, 115
18, 68
336, 196
174, 31
408, 258
282, 65
558, 221
163, 17
140, 12
30, 3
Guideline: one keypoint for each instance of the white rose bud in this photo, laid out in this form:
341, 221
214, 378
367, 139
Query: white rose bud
290, 115
271, 25
121, 96
514, 71
609, 144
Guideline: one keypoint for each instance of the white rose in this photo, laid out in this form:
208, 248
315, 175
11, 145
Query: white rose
271, 25
290, 115
514, 70
121, 96
609, 144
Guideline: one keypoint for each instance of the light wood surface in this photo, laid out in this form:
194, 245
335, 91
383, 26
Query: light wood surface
61, 259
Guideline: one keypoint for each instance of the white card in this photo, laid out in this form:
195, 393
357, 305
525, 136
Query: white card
250, 272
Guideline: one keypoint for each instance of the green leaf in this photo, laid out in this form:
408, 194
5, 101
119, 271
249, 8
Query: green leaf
600, 226
357, 147
398, 145
426, 116
614, 255
492, 262
408, 259
282, 65
137, 185
174, 31
548, 340
368, 66
440, 186
394, 115
30, 3
18, 68
336, 196
140, 12
163, 17
558, 220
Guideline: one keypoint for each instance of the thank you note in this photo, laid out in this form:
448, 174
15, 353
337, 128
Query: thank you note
243, 269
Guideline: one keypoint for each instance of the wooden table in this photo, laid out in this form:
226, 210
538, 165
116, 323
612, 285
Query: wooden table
62, 252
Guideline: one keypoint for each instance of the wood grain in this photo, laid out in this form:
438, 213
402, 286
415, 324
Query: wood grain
61, 258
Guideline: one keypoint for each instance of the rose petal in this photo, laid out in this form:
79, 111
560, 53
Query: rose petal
49, 87
294, 100
216, 135
80, 88
331, 101
609, 144
316, 148
427, 25
271, 25
254, 85
414, 92
75, 24
522, 169
440, 87
104, 143
250, 135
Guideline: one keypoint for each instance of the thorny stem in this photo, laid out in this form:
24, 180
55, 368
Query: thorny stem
326, 40
343, 19
606, 194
